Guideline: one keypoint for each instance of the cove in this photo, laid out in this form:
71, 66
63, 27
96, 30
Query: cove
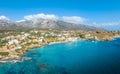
80, 57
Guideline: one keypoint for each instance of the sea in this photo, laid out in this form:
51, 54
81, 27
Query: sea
79, 57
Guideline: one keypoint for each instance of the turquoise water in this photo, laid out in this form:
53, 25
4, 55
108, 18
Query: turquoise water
81, 57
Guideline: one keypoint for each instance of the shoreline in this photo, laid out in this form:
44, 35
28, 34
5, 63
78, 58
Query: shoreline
20, 59
28, 49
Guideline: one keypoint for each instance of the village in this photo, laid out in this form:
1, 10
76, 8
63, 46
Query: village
14, 44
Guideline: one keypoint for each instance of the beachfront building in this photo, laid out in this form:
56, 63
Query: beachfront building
72, 39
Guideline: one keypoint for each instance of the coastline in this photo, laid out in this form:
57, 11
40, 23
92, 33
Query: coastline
57, 42
32, 47
20, 58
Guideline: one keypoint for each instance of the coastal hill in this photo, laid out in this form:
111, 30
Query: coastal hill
43, 24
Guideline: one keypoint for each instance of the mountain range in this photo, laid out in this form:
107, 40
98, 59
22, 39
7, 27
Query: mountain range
43, 24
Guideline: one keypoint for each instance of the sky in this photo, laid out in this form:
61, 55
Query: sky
99, 13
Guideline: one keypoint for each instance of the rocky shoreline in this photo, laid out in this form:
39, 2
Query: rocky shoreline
14, 59
19, 58
15, 44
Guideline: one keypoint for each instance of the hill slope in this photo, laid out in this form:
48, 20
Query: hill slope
43, 24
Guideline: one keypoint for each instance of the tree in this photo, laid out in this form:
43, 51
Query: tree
82, 35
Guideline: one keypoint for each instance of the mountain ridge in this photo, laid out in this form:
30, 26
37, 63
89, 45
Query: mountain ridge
44, 24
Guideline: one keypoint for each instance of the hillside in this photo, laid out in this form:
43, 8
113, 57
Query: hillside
43, 24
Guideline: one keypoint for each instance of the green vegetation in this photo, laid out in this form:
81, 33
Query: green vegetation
4, 53
3, 42
18, 50
97, 32
51, 36
82, 35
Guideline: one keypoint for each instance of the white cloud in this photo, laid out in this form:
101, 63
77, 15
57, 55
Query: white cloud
20, 21
3, 18
113, 23
70, 19
41, 16
73, 19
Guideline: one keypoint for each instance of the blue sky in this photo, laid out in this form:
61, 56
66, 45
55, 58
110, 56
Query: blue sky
96, 12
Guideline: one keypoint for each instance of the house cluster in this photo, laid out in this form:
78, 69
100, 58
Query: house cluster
91, 37
16, 42
23, 39
13, 42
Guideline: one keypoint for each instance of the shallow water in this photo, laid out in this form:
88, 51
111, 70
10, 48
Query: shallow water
81, 57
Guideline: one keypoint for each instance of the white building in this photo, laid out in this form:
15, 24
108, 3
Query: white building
87, 35
18, 47
41, 40
72, 39
26, 34
13, 42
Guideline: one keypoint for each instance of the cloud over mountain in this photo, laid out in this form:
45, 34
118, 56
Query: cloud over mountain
73, 19
70, 19
46, 21
3, 18
41, 16
38, 19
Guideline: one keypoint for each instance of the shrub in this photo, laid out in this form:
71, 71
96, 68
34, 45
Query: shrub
97, 32
4, 53
82, 35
